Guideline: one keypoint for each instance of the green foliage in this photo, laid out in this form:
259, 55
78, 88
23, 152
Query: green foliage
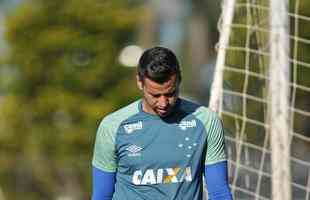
66, 78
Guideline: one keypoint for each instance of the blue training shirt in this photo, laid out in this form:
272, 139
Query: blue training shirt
156, 158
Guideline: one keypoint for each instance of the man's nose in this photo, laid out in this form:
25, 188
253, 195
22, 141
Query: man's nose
163, 101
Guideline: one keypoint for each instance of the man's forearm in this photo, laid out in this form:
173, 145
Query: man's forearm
103, 184
217, 181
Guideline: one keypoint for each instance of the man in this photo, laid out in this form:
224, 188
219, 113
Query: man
159, 147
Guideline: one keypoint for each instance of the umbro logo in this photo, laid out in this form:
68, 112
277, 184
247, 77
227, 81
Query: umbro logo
134, 150
187, 124
129, 128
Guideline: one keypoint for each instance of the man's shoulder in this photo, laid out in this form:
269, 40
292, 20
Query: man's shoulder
121, 114
189, 105
201, 112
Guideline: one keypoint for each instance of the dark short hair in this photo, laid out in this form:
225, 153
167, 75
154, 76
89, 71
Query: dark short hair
158, 64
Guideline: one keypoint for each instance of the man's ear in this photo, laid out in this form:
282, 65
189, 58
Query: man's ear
139, 83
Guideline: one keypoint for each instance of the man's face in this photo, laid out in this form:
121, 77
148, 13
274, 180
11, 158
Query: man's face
159, 98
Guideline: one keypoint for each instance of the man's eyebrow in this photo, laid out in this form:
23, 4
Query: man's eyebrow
172, 91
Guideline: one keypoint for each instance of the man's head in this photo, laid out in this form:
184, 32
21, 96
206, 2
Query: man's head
159, 77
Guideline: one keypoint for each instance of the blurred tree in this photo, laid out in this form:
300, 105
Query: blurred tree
66, 78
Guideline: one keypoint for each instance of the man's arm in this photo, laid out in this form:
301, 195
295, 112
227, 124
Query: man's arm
104, 162
215, 161
103, 184
217, 181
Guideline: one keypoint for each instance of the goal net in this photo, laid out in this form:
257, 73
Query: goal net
261, 89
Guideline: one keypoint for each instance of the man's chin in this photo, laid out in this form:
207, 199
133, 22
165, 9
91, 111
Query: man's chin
162, 113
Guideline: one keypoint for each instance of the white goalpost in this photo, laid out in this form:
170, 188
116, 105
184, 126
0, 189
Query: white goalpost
279, 112
261, 90
216, 90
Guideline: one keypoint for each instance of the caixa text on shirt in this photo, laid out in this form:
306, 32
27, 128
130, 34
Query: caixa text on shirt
162, 176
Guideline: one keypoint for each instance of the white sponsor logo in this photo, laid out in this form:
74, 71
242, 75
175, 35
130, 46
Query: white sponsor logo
129, 128
162, 176
187, 124
134, 150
